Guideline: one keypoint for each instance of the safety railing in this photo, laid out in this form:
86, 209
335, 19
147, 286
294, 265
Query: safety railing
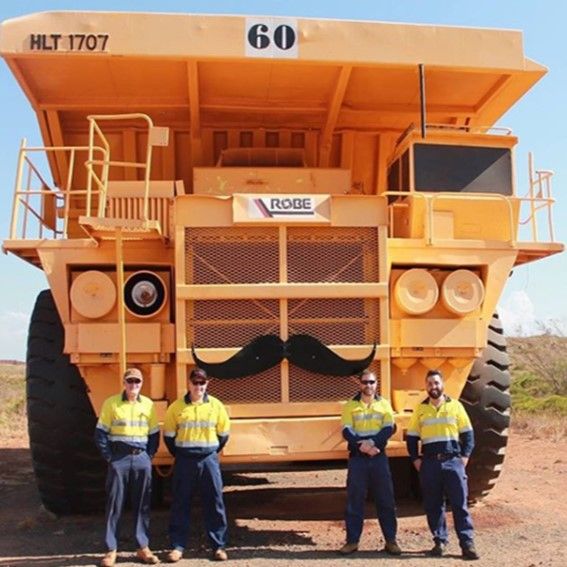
539, 202
457, 128
41, 209
498, 130
406, 199
156, 136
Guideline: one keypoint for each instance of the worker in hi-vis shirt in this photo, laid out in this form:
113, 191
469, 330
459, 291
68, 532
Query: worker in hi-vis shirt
127, 436
368, 423
444, 430
196, 429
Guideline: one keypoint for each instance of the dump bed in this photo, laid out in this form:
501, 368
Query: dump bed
200, 73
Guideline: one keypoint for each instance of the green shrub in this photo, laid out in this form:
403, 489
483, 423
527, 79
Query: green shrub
554, 404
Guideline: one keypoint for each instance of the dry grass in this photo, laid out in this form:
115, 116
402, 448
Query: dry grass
540, 425
13, 422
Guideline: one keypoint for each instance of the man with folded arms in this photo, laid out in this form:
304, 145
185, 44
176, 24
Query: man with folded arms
127, 436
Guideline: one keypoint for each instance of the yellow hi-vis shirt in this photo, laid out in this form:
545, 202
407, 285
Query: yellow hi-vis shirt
127, 422
446, 429
373, 421
196, 427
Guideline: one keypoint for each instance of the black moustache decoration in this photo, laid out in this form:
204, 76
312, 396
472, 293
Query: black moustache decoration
258, 355
267, 351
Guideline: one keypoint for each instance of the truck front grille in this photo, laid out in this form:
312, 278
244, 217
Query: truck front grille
252, 256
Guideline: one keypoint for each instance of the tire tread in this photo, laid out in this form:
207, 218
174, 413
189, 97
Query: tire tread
69, 472
486, 397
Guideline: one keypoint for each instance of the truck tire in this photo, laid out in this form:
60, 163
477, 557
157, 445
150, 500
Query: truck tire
486, 398
61, 420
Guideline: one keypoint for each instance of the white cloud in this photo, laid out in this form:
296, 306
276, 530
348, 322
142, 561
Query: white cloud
519, 318
13, 335
518, 315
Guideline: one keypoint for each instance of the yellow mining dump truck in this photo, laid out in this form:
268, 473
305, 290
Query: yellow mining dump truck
309, 196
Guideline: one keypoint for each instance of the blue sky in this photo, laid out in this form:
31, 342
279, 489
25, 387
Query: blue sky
536, 293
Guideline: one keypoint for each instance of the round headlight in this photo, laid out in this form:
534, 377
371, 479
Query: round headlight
462, 292
416, 291
144, 294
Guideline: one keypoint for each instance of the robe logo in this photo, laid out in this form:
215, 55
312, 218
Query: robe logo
274, 207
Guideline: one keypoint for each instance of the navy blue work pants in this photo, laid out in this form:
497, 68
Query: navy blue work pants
446, 478
128, 474
190, 475
364, 472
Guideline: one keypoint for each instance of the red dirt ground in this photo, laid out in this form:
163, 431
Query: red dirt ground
280, 518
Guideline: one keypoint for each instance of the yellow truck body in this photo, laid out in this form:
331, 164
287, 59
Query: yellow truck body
276, 176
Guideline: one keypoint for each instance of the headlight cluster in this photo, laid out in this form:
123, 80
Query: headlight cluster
93, 294
416, 292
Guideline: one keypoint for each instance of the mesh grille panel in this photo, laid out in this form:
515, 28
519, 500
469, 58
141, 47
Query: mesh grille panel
332, 255
260, 388
336, 321
230, 323
221, 256
306, 386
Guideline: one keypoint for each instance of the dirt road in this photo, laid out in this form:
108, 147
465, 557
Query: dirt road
280, 518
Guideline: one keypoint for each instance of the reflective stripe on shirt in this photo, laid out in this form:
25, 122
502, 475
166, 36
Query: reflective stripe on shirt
196, 444
435, 420
192, 424
129, 423
439, 438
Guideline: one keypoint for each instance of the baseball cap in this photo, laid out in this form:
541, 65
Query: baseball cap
133, 373
198, 374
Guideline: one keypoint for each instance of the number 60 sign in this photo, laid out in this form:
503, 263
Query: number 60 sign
271, 37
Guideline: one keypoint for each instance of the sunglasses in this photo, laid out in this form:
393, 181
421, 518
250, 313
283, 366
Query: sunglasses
133, 381
200, 383
368, 382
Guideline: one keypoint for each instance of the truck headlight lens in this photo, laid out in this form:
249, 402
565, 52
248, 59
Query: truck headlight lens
462, 292
144, 294
416, 291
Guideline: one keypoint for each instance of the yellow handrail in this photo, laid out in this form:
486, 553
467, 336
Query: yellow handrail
27, 172
102, 182
477, 197
431, 198
539, 197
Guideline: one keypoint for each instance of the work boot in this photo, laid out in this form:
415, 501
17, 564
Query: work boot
145, 555
109, 559
392, 548
438, 550
174, 555
470, 553
220, 554
348, 548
